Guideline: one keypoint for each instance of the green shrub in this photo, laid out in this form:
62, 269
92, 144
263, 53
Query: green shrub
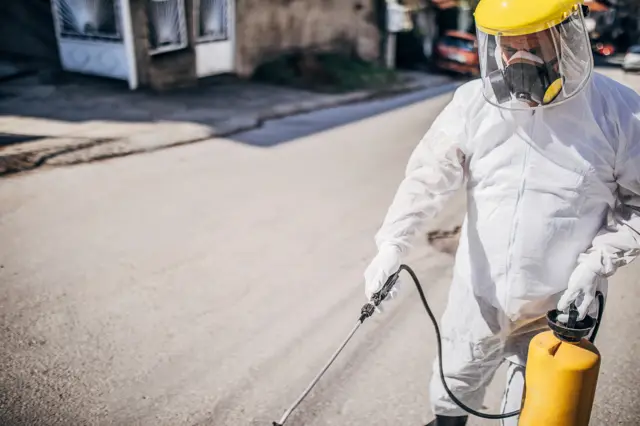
325, 72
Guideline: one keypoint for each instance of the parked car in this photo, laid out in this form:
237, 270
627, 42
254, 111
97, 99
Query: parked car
457, 52
632, 59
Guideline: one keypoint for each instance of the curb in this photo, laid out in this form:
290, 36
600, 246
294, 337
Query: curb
176, 134
350, 98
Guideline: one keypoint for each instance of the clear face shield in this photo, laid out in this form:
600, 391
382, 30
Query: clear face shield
536, 70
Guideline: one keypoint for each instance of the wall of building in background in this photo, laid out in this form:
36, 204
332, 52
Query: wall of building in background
259, 30
26, 30
268, 28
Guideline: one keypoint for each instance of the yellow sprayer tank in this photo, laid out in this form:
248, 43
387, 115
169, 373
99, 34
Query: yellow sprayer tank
561, 375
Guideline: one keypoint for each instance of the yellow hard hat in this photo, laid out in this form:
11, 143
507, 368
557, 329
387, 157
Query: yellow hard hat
520, 17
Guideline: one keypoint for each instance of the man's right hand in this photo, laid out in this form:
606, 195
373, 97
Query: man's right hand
386, 263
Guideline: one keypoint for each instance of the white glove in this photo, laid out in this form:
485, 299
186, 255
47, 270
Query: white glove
385, 264
582, 283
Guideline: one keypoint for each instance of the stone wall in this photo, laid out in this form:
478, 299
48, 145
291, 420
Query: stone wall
267, 28
264, 29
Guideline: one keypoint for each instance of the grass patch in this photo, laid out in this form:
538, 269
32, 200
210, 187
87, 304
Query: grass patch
325, 72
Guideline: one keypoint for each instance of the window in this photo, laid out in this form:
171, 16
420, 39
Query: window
213, 20
167, 26
95, 20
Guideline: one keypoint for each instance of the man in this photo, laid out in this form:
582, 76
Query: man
546, 150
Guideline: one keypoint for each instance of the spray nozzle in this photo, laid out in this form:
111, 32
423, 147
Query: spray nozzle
369, 307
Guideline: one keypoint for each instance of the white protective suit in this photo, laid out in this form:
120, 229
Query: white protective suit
539, 186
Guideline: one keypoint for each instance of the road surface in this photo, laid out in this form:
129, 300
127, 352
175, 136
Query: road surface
206, 284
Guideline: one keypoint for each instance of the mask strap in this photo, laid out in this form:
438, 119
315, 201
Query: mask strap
498, 55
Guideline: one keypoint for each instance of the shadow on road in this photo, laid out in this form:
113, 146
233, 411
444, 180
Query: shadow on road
283, 130
216, 107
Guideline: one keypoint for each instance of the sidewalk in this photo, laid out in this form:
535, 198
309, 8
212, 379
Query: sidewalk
88, 119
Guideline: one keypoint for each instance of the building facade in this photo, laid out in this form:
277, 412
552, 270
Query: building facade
168, 43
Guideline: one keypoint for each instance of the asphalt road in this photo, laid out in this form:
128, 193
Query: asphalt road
206, 284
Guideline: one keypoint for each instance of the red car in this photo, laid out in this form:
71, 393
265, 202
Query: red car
604, 49
457, 52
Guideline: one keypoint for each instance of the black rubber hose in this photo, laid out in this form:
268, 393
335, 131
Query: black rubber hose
596, 326
439, 341
368, 309
469, 410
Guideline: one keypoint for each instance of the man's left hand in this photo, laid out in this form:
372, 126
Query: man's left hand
582, 291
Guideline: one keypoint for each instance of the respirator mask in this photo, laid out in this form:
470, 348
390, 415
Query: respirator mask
525, 70
526, 78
